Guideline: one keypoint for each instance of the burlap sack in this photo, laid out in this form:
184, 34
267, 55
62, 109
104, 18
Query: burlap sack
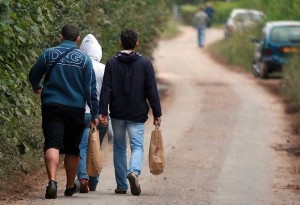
156, 152
94, 157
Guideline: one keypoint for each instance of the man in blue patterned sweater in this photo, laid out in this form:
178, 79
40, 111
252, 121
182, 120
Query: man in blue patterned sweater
68, 85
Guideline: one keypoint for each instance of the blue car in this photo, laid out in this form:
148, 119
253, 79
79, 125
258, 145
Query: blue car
279, 40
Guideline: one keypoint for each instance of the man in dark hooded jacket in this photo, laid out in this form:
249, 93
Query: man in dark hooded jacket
128, 82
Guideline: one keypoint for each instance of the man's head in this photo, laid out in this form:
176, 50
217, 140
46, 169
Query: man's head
129, 39
70, 32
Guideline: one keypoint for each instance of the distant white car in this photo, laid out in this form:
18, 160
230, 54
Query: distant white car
241, 19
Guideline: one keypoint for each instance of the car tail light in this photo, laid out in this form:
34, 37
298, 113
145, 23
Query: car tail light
267, 52
230, 28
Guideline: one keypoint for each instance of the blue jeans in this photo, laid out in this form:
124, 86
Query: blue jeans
136, 137
201, 35
81, 170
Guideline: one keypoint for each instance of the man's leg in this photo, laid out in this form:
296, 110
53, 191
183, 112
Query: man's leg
53, 129
136, 135
81, 171
199, 35
120, 159
74, 127
51, 157
202, 38
83, 146
71, 164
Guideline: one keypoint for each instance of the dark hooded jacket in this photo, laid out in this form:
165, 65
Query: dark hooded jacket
128, 83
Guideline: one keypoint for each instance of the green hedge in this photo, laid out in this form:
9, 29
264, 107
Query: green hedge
274, 9
237, 50
188, 14
28, 27
222, 11
291, 76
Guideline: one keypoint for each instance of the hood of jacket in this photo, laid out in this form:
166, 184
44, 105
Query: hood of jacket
91, 47
126, 57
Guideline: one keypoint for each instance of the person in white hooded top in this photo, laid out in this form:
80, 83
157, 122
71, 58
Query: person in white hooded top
93, 49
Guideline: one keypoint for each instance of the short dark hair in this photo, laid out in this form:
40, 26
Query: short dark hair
70, 32
128, 38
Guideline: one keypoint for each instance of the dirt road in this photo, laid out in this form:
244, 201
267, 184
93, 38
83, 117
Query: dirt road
219, 128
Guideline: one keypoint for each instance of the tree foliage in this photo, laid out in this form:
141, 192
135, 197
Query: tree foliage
26, 28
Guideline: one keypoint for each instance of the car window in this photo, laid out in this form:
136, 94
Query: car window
242, 17
285, 34
256, 17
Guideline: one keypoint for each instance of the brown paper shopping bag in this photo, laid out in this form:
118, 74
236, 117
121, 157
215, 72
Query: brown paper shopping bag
93, 157
156, 152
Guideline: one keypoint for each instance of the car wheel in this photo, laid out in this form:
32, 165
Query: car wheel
255, 69
263, 70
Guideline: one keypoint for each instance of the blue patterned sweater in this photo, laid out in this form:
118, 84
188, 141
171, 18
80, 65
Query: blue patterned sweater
72, 80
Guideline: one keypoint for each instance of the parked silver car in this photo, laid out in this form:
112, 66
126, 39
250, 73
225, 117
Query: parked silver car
241, 19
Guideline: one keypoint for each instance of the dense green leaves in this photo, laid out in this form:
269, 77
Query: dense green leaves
27, 27
291, 80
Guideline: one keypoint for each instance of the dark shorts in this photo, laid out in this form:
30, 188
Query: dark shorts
63, 128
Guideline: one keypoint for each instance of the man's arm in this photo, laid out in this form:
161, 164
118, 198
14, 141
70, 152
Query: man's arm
105, 94
90, 89
105, 90
36, 74
152, 93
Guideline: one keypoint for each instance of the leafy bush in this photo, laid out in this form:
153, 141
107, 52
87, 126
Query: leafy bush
236, 50
170, 30
291, 75
28, 27
222, 11
188, 14
274, 9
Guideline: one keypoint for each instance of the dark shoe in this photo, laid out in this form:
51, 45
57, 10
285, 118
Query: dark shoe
51, 190
134, 184
92, 188
84, 186
119, 191
75, 189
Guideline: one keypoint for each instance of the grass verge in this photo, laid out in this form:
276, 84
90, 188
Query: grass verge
171, 30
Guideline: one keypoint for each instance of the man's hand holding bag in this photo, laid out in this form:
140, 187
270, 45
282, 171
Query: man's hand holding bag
156, 152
